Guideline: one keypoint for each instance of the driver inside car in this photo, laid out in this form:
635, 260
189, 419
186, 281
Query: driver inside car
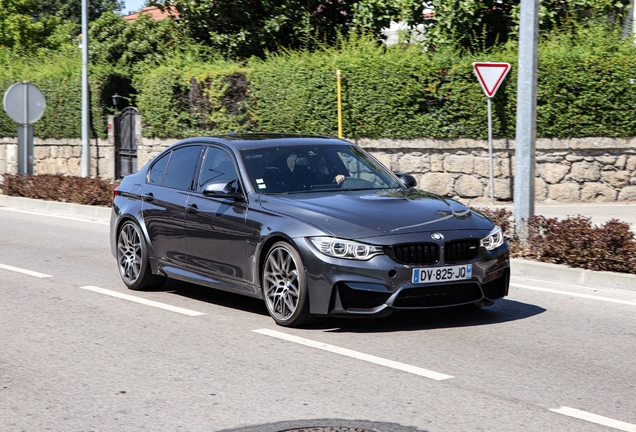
313, 170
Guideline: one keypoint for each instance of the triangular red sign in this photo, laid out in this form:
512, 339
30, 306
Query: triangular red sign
491, 75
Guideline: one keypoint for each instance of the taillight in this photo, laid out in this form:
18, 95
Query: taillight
115, 192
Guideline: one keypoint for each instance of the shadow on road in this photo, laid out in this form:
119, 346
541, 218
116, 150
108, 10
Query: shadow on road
462, 316
215, 296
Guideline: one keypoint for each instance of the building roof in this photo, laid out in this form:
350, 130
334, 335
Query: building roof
155, 14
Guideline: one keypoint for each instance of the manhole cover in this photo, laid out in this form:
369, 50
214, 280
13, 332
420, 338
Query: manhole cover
326, 425
328, 429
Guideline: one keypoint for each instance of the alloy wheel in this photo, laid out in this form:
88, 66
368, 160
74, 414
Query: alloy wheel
129, 253
281, 284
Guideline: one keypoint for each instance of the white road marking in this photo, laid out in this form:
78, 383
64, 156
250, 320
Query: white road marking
95, 220
143, 301
573, 294
24, 271
594, 418
354, 354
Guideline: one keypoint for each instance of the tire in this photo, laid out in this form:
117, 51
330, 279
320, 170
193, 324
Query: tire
132, 259
284, 286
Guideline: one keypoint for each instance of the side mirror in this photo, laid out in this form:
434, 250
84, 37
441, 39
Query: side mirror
222, 189
407, 179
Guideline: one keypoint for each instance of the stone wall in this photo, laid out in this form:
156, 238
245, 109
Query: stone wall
567, 170
148, 148
60, 156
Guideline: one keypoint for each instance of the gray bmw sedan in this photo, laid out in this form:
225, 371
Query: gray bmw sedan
313, 225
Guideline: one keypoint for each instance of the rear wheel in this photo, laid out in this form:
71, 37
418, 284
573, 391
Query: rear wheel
284, 286
132, 259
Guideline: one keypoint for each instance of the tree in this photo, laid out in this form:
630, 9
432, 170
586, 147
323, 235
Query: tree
28, 25
242, 28
71, 10
19, 30
129, 46
483, 23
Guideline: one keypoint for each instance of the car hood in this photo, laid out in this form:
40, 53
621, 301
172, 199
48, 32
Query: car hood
363, 214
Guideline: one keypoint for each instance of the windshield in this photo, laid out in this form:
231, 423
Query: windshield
305, 168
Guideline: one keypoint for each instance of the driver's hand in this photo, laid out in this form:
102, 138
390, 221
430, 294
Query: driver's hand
339, 179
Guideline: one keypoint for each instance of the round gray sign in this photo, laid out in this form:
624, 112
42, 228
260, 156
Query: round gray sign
24, 103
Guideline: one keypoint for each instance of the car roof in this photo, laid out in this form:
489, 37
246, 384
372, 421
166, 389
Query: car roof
248, 141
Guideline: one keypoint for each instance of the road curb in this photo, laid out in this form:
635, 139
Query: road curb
75, 209
561, 273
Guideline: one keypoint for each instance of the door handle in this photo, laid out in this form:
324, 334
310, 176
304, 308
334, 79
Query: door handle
192, 208
149, 197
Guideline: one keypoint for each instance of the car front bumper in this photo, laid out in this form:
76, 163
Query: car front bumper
380, 285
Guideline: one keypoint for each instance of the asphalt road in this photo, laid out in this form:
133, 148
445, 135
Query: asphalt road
79, 352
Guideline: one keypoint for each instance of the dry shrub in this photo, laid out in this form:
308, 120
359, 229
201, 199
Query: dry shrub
573, 241
56, 187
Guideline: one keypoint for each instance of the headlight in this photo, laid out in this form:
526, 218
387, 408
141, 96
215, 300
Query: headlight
494, 239
346, 249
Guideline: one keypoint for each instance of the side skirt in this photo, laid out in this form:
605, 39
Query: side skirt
198, 279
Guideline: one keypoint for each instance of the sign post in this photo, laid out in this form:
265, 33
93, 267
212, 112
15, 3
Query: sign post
490, 76
24, 104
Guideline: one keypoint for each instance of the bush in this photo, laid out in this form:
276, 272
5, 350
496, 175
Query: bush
52, 187
402, 92
186, 97
394, 92
574, 241
584, 89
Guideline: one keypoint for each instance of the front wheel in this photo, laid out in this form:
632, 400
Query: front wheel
284, 286
132, 259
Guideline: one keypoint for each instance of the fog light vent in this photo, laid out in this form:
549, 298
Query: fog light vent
360, 299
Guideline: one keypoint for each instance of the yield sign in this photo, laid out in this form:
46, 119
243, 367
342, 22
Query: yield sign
491, 75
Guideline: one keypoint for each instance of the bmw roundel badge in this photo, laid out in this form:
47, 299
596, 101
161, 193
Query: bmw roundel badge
437, 236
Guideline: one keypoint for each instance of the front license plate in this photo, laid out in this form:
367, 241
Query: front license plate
442, 274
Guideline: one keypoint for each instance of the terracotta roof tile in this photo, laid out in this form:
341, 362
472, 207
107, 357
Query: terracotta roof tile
154, 12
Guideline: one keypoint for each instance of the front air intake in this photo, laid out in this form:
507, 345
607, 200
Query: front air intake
416, 253
460, 250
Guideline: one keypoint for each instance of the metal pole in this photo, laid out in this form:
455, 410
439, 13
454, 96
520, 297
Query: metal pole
23, 164
526, 116
85, 103
633, 16
339, 80
492, 177
628, 20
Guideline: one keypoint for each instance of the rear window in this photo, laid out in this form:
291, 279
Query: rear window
181, 168
158, 169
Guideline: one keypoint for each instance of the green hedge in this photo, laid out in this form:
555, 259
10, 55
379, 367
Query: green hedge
398, 92
392, 93
184, 98
584, 90
58, 76
401, 92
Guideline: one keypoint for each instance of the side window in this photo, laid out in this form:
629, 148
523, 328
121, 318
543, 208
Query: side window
217, 167
158, 169
180, 172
